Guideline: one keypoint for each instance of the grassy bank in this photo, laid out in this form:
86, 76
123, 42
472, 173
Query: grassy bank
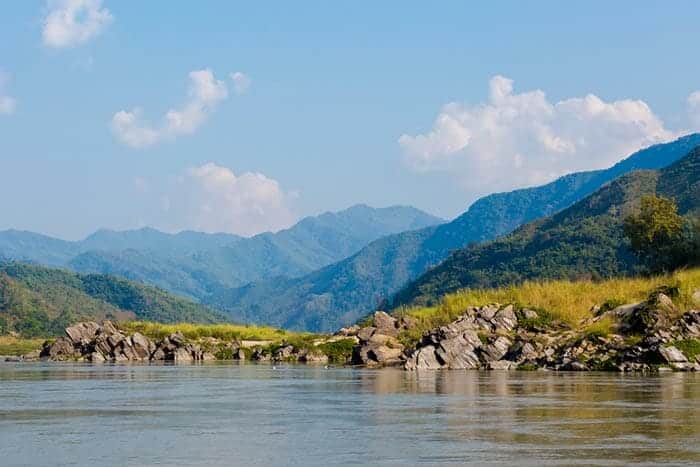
18, 345
217, 331
567, 301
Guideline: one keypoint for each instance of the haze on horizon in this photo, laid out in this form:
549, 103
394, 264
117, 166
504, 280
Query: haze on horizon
244, 118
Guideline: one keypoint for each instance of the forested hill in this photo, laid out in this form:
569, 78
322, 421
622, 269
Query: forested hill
344, 291
584, 240
39, 301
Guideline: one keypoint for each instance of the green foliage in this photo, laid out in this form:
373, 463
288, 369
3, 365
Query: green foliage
38, 301
339, 351
601, 328
656, 233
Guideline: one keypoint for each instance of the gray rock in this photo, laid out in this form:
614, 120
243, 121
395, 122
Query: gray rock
458, 353
385, 355
496, 350
365, 333
505, 320
82, 331
423, 359
385, 324
672, 355
502, 365
530, 314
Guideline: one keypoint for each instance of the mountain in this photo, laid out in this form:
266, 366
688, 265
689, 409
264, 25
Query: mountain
343, 292
40, 301
585, 240
196, 264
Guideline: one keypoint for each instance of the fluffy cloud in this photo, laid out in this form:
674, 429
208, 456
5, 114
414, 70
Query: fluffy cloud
212, 198
524, 139
205, 93
7, 103
694, 109
241, 82
72, 22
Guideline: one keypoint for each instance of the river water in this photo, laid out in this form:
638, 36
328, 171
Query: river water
229, 414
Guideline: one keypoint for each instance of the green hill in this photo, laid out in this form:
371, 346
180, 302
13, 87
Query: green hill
343, 292
39, 301
583, 241
197, 264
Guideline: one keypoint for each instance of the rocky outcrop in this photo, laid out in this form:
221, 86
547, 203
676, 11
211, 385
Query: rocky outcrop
95, 342
643, 337
378, 344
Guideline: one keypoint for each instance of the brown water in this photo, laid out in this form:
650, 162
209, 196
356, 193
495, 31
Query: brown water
123, 415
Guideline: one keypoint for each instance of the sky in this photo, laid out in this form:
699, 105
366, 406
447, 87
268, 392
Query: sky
243, 117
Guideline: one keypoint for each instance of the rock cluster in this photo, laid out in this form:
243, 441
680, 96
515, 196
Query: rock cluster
500, 338
90, 341
378, 344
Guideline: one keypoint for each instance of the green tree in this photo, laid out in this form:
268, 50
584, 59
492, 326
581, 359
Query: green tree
656, 234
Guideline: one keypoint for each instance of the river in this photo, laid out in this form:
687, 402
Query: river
230, 414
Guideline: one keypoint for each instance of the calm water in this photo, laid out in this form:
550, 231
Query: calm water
53, 414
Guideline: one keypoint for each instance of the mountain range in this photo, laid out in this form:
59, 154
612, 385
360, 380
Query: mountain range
343, 292
585, 240
196, 264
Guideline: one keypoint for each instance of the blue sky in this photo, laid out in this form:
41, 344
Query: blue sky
347, 103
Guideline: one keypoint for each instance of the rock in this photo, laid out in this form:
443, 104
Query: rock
283, 353
502, 365
365, 333
96, 357
423, 359
142, 346
385, 324
496, 350
239, 355
672, 355
505, 320
158, 355
82, 331
385, 355
31, 356
348, 331
458, 353
61, 349
13, 359
177, 339
696, 297
313, 357
574, 366
181, 355
529, 314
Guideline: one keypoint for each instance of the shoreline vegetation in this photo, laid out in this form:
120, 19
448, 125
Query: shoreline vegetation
622, 324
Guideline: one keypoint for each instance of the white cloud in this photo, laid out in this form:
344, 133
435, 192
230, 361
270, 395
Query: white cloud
241, 82
7, 103
205, 93
72, 22
694, 109
523, 139
212, 198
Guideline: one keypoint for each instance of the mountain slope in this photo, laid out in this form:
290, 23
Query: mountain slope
36, 300
584, 240
342, 292
196, 264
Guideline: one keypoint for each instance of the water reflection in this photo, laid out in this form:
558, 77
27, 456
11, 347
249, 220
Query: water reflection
248, 414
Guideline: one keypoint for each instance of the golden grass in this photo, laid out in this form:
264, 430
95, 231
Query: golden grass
568, 301
218, 331
18, 346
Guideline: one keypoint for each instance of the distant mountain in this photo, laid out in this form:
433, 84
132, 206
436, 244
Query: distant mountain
39, 301
582, 241
196, 264
344, 291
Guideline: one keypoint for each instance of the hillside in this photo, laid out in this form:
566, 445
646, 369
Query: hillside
343, 292
39, 301
585, 240
196, 264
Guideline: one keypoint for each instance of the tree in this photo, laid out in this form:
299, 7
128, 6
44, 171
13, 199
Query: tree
656, 234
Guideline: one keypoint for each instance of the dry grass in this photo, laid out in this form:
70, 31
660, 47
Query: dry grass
218, 331
568, 301
18, 346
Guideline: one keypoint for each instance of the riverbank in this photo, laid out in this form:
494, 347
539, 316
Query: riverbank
638, 324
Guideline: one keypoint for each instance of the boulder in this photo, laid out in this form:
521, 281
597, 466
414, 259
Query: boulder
696, 297
529, 314
82, 332
672, 355
496, 350
61, 349
365, 333
423, 359
385, 324
502, 365
385, 355
505, 320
